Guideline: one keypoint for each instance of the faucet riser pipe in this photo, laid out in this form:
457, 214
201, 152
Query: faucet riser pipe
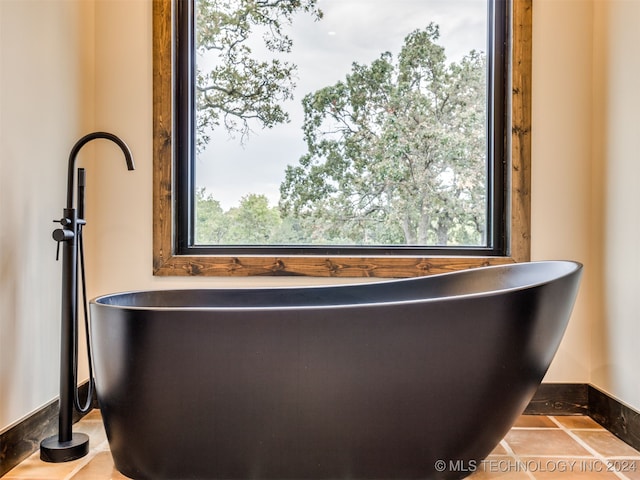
67, 445
68, 326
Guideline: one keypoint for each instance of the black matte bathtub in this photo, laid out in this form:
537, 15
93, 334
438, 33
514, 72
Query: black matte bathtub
402, 379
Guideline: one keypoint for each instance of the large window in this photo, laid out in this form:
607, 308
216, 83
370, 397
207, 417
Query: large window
307, 137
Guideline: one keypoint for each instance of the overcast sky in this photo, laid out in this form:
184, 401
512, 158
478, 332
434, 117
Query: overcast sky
351, 30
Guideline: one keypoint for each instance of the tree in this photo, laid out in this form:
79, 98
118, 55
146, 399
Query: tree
396, 151
253, 222
211, 225
241, 87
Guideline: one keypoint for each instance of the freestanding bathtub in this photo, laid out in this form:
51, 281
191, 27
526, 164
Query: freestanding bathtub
401, 379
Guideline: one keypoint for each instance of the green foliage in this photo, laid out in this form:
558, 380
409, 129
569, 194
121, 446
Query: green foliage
398, 146
210, 225
253, 222
240, 88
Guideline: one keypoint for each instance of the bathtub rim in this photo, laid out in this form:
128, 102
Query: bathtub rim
570, 267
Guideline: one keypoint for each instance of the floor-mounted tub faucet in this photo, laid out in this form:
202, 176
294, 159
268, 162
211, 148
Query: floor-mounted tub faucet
67, 445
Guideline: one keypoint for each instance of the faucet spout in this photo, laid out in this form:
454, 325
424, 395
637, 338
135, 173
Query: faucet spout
83, 141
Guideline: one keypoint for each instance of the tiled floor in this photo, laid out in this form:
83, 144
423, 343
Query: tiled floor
537, 447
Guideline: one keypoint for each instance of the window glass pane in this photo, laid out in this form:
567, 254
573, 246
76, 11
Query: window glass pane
341, 122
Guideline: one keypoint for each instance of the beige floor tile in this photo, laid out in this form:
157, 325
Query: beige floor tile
547, 442
499, 467
35, 469
534, 421
99, 468
578, 421
95, 430
499, 450
491, 475
631, 469
606, 443
93, 415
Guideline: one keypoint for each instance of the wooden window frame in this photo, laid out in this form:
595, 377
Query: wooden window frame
518, 209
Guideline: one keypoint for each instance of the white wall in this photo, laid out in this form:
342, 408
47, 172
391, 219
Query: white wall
46, 97
616, 352
561, 163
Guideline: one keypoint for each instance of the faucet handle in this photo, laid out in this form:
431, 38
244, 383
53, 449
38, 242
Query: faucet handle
57, 251
63, 221
63, 234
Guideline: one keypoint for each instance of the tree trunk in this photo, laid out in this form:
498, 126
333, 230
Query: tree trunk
409, 233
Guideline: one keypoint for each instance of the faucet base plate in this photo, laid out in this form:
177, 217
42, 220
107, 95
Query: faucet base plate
54, 451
